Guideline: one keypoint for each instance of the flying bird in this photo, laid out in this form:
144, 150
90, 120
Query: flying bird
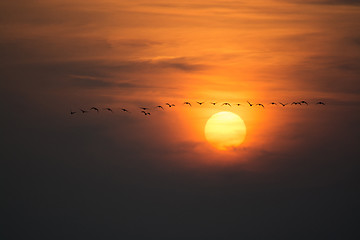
250, 104
296, 103
144, 108
320, 103
187, 103
170, 105
94, 108
83, 111
259, 104
304, 102
239, 104
273, 103
160, 107
226, 103
213, 103
109, 109
283, 104
200, 103
146, 113
124, 110
72, 112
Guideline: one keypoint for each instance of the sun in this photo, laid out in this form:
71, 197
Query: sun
225, 130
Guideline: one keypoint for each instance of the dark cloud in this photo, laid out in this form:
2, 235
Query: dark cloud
100, 176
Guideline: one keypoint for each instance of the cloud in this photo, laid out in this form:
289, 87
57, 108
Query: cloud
330, 2
335, 73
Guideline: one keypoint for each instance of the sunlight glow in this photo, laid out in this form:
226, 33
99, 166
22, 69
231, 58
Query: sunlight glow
225, 130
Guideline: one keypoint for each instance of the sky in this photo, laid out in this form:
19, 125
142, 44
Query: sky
126, 175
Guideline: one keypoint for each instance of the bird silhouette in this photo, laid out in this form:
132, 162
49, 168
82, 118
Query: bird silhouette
144, 108
109, 109
296, 103
170, 105
200, 103
239, 104
124, 110
72, 112
213, 103
320, 103
160, 107
187, 103
146, 113
259, 104
83, 111
94, 108
273, 103
226, 103
304, 102
250, 104
283, 104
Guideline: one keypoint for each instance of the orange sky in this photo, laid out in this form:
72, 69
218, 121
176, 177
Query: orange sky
131, 53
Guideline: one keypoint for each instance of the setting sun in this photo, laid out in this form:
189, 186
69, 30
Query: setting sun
225, 130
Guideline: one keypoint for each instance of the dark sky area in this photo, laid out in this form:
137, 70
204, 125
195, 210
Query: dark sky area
129, 176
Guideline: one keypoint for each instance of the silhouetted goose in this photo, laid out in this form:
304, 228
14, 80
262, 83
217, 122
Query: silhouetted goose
200, 103
283, 104
304, 102
250, 103
124, 110
273, 103
109, 109
259, 104
296, 103
160, 107
144, 108
213, 103
145, 113
83, 111
320, 103
72, 112
187, 103
226, 103
94, 108
239, 104
170, 105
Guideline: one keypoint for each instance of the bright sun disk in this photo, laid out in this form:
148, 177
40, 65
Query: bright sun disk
225, 130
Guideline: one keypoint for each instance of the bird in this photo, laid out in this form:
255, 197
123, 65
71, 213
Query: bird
200, 103
83, 111
146, 113
226, 103
273, 103
72, 112
304, 102
320, 103
124, 110
250, 104
170, 105
144, 108
213, 103
259, 104
94, 108
296, 103
239, 104
160, 107
187, 103
109, 109
283, 104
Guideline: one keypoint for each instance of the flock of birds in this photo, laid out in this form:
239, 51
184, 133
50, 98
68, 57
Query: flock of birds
146, 110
